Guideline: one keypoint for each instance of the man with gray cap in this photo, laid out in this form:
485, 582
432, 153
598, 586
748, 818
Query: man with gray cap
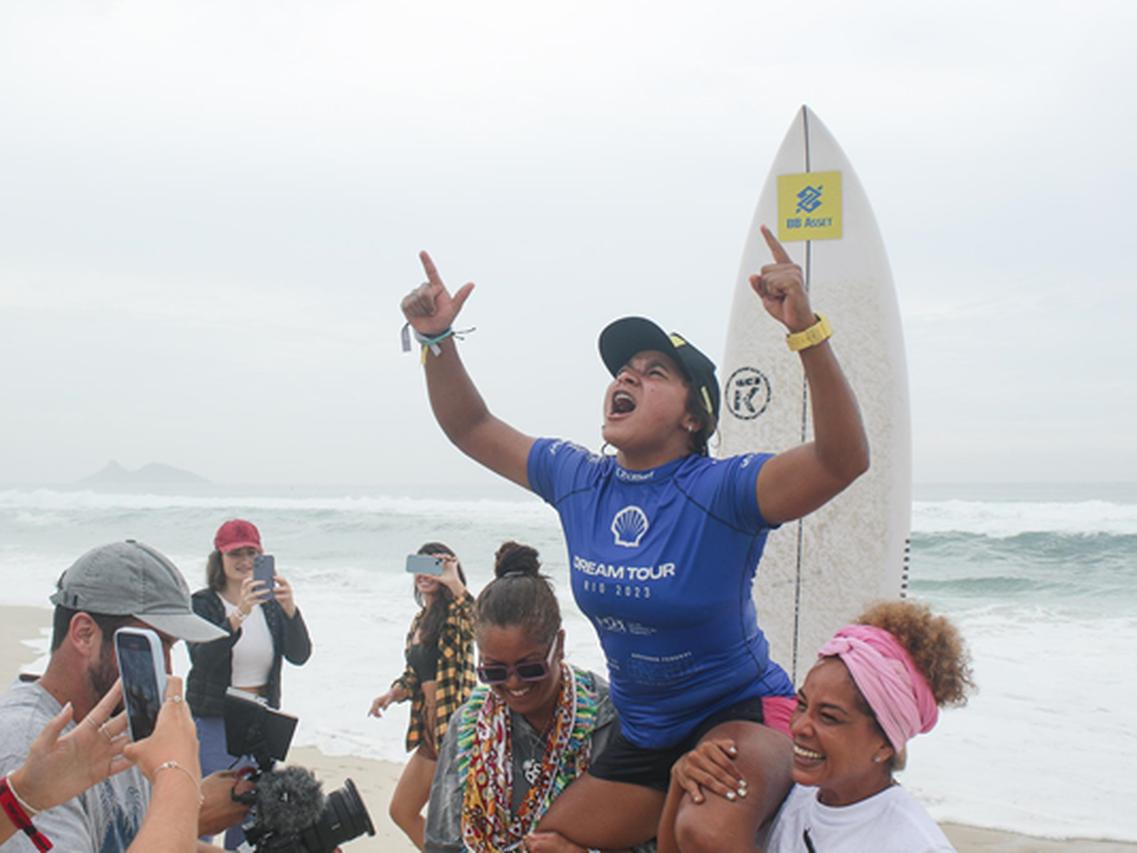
121, 584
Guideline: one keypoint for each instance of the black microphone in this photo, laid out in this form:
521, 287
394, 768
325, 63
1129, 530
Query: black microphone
288, 801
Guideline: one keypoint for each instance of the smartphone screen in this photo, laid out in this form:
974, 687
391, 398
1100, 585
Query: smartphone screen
264, 569
424, 564
141, 665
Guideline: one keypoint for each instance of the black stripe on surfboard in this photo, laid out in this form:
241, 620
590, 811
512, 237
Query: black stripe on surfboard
905, 567
804, 415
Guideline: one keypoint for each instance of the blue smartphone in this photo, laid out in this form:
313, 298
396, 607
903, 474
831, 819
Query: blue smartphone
264, 569
424, 564
142, 666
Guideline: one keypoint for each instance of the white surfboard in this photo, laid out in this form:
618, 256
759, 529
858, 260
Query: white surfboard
818, 573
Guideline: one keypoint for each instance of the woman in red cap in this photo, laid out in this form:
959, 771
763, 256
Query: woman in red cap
663, 546
264, 627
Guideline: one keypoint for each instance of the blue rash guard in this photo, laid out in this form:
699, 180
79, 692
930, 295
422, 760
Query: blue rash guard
662, 562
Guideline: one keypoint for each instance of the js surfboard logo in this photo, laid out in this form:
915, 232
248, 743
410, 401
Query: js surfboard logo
747, 393
629, 526
809, 206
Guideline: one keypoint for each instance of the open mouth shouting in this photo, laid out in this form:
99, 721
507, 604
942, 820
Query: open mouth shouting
622, 403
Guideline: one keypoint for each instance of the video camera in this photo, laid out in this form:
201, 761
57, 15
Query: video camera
290, 813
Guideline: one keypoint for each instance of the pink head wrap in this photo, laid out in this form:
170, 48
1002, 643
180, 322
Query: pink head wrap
883, 671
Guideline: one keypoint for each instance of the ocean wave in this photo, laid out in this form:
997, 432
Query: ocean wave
42, 501
1037, 547
1012, 518
991, 518
1073, 570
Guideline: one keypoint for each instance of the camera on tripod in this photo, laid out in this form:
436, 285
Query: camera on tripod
290, 813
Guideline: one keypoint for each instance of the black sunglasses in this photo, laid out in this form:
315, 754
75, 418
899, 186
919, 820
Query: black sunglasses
498, 673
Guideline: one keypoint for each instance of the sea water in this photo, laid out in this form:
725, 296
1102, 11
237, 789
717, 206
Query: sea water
1042, 582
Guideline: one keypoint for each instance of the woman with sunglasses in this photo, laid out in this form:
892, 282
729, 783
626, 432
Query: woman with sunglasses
527, 732
877, 683
438, 678
664, 543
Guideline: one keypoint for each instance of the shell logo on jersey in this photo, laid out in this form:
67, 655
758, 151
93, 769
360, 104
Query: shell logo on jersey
629, 526
809, 206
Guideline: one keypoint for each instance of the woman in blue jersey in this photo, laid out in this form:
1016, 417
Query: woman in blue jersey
663, 545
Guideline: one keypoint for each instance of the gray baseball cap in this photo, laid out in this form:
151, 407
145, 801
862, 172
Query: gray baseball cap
132, 579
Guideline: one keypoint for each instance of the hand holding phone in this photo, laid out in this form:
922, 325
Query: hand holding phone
142, 666
424, 564
264, 569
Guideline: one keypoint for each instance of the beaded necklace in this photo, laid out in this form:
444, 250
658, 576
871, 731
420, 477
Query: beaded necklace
485, 757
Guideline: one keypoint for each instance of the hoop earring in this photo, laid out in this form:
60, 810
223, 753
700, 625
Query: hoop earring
603, 450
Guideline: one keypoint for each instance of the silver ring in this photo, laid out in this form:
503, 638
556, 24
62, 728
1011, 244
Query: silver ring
177, 697
103, 731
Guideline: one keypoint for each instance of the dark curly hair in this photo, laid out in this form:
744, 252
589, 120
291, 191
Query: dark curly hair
934, 644
519, 595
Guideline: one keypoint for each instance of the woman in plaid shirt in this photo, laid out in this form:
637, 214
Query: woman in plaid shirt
438, 679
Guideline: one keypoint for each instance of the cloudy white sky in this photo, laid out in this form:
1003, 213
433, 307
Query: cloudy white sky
209, 212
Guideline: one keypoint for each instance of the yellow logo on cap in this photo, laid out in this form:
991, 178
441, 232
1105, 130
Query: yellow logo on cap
809, 206
677, 341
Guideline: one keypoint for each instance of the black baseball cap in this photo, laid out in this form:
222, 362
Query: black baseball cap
623, 338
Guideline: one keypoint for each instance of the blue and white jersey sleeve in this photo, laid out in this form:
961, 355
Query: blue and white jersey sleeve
733, 491
558, 468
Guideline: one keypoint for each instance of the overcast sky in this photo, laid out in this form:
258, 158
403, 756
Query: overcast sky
210, 210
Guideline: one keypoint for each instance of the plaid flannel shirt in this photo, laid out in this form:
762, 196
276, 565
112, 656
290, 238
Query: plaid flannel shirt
455, 679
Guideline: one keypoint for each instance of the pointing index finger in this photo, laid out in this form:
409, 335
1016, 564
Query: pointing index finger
431, 270
781, 256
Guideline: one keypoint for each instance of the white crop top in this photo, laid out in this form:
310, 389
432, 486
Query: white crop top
252, 653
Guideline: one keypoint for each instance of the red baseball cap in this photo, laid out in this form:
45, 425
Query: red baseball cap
237, 533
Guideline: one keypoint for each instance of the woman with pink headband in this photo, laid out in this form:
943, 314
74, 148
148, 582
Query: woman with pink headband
876, 684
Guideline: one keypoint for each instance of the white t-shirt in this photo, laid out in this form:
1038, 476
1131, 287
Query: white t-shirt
103, 819
889, 822
251, 657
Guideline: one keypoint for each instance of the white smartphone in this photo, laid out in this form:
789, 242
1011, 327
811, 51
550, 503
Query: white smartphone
424, 564
143, 669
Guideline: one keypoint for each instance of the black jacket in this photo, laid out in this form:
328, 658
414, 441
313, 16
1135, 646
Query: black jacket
211, 663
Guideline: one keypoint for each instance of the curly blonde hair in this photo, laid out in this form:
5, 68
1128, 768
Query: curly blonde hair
934, 644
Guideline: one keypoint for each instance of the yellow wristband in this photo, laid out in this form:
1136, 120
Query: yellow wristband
811, 337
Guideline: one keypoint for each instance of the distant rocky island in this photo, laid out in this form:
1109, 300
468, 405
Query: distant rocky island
153, 474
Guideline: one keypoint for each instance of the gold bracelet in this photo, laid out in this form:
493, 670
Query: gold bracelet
171, 764
811, 337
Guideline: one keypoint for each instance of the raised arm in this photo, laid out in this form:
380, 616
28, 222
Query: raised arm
798, 481
457, 405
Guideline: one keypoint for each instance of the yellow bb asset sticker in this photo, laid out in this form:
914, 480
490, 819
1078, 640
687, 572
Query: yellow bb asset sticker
809, 206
